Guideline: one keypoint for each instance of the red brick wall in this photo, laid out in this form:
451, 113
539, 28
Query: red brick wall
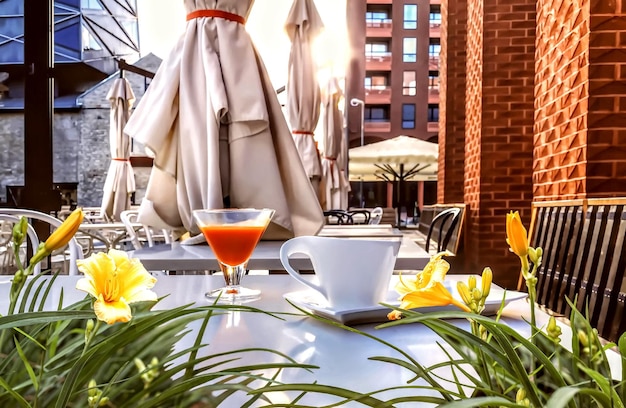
499, 120
452, 101
580, 131
562, 99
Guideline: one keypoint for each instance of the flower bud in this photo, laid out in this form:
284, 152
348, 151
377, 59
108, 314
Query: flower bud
485, 282
476, 295
61, 236
471, 282
19, 231
582, 338
89, 326
516, 235
554, 330
93, 388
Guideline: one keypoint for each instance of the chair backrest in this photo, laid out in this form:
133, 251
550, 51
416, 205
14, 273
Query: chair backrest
584, 257
360, 216
338, 217
376, 215
443, 226
33, 239
143, 233
75, 249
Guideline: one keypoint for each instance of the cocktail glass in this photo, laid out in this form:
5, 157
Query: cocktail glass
233, 234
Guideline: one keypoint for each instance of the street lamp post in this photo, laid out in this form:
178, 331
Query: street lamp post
356, 102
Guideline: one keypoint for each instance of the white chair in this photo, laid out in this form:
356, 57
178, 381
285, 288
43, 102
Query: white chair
376, 215
144, 235
14, 214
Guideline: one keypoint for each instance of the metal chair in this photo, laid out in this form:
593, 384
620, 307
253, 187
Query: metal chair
140, 237
443, 225
360, 216
338, 217
14, 214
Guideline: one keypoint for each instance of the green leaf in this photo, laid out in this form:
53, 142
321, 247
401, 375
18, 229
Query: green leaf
16, 396
27, 366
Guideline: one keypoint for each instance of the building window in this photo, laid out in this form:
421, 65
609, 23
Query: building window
376, 82
376, 114
377, 18
433, 80
434, 18
409, 50
409, 85
90, 43
377, 49
434, 50
433, 113
410, 16
408, 116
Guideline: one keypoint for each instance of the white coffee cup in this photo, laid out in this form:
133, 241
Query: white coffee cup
353, 273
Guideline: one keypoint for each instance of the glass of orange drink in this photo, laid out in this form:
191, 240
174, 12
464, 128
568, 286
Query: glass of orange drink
232, 234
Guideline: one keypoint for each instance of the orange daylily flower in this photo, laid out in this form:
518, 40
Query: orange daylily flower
427, 288
115, 281
516, 235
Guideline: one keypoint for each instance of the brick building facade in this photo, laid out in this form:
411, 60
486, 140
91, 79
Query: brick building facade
544, 90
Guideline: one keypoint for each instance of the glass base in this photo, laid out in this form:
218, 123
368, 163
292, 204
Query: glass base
233, 294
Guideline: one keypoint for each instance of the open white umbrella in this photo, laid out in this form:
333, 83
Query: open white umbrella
120, 181
213, 120
303, 93
334, 183
398, 159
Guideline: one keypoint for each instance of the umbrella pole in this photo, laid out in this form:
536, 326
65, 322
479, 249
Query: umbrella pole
399, 196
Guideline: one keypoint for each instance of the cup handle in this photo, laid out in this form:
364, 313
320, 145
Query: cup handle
291, 247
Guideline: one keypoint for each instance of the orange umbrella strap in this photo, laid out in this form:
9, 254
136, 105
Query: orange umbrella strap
302, 132
118, 159
332, 167
216, 13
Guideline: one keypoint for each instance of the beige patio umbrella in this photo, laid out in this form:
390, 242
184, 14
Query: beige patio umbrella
213, 120
398, 159
303, 93
120, 181
334, 183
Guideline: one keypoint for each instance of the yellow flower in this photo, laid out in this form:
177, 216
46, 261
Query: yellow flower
516, 235
427, 288
115, 281
60, 237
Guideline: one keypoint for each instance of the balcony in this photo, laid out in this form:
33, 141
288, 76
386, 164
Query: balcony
433, 94
435, 29
378, 61
433, 62
378, 27
431, 127
378, 95
377, 126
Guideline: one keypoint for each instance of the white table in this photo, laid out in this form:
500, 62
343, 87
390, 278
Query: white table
342, 356
177, 257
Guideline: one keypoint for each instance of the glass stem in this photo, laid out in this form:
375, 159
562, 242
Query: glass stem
233, 276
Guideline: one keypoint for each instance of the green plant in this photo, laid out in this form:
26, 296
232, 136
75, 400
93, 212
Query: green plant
493, 365
65, 356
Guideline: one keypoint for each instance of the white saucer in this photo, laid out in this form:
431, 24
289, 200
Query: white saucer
314, 302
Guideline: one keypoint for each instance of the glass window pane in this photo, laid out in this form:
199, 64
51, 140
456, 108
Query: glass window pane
409, 84
410, 16
409, 50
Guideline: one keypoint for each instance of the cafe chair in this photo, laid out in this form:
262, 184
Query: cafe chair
14, 214
442, 226
360, 216
376, 215
143, 235
340, 217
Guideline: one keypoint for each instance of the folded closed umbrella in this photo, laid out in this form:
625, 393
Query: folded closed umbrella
120, 181
216, 127
334, 184
303, 24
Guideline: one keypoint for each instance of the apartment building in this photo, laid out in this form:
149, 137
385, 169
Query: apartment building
394, 70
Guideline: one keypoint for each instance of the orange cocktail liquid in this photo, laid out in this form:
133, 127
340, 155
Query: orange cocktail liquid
232, 244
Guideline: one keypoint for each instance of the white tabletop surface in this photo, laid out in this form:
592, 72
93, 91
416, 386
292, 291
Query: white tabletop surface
177, 257
342, 356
